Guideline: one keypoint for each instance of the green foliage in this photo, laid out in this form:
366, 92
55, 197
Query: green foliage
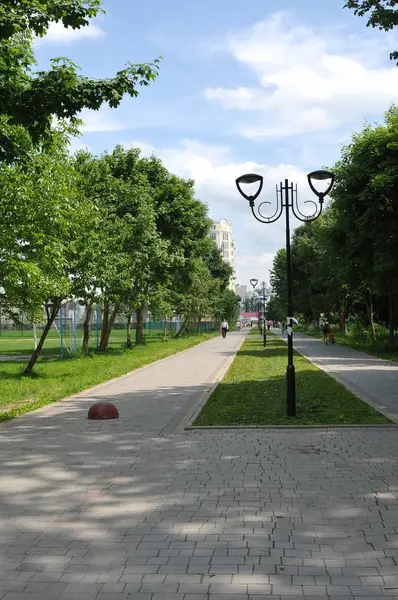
382, 14
346, 262
275, 310
33, 99
42, 219
227, 306
37, 15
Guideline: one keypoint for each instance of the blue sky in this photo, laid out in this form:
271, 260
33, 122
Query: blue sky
275, 88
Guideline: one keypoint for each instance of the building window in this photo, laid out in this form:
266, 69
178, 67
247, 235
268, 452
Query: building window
225, 236
213, 236
225, 245
226, 254
213, 226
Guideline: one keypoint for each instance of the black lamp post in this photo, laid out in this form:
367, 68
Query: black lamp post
264, 323
253, 283
286, 198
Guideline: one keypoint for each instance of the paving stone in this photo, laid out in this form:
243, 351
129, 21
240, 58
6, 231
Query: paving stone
131, 510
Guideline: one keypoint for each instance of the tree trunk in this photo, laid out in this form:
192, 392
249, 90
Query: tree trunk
86, 326
164, 339
104, 325
183, 329
128, 341
342, 320
36, 353
106, 332
391, 320
139, 332
369, 308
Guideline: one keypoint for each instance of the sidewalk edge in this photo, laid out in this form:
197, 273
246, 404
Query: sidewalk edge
197, 402
357, 390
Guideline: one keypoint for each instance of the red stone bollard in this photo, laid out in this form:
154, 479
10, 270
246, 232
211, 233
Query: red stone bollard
103, 410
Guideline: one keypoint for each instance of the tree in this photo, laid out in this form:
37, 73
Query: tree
228, 306
381, 13
182, 228
43, 217
364, 199
33, 99
274, 310
129, 246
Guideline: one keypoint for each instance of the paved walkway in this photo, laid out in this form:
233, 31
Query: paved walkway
123, 510
373, 380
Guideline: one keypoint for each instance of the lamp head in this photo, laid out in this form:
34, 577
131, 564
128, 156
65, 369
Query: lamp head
253, 282
250, 179
321, 175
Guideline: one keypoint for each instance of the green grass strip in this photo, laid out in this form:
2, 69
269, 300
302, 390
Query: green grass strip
57, 379
253, 392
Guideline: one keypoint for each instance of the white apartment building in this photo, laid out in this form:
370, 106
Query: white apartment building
221, 232
241, 290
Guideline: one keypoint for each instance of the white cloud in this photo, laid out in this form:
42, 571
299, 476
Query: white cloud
307, 81
58, 34
100, 120
75, 145
214, 170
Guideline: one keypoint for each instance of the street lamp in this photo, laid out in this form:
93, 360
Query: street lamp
253, 283
286, 198
264, 323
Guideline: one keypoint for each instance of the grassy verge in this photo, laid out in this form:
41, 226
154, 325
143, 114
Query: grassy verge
359, 340
14, 343
57, 379
253, 392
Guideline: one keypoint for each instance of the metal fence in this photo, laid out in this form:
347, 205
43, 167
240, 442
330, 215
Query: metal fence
66, 335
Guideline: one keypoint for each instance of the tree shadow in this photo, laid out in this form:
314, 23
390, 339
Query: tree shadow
91, 504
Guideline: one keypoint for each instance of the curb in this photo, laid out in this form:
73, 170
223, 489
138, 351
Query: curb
197, 402
286, 427
355, 389
223, 428
99, 386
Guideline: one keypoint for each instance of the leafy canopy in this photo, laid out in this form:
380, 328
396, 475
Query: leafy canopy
381, 13
33, 99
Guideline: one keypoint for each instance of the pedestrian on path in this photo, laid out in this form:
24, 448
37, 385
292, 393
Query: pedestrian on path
224, 328
326, 331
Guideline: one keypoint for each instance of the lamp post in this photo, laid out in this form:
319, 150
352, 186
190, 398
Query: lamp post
264, 324
253, 283
286, 198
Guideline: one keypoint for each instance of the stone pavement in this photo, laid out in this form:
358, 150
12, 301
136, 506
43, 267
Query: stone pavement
116, 510
373, 380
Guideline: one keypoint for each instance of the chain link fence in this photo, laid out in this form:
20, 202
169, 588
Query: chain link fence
66, 335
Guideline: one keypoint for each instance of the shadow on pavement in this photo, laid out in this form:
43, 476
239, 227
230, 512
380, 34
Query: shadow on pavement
95, 504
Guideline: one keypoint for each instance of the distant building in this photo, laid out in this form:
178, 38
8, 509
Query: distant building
221, 233
241, 290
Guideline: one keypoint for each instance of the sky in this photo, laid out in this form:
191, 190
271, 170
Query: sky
274, 88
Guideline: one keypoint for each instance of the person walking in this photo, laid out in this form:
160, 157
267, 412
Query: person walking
326, 331
283, 327
224, 328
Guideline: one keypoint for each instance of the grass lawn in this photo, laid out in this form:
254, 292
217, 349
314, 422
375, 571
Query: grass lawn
56, 379
359, 341
253, 392
14, 342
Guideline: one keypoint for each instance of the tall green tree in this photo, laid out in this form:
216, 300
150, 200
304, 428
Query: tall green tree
43, 218
364, 199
